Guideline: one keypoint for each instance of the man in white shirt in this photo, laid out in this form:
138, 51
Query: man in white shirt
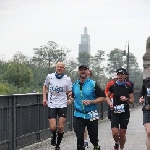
58, 85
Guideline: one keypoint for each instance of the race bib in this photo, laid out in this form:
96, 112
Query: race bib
119, 108
93, 115
148, 91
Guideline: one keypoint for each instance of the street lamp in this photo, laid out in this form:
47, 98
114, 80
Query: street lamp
126, 58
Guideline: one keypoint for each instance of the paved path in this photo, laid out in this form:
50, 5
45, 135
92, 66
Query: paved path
135, 136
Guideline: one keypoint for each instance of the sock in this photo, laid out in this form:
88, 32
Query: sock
85, 140
53, 134
59, 138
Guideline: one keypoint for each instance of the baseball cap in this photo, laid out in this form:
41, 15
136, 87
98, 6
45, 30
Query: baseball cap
83, 66
121, 70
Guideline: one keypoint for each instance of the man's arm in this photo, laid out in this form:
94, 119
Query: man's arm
44, 95
100, 95
131, 99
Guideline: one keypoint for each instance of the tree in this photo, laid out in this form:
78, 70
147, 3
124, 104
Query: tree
98, 68
84, 58
4, 89
18, 74
115, 61
71, 69
48, 55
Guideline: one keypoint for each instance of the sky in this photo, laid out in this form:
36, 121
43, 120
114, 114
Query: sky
28, 24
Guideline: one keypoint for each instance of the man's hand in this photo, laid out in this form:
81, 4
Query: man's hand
70, 100
44, 102
111, 105
141, 100
123, 98
87, 102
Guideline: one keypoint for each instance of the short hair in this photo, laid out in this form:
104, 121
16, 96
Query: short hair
90, 73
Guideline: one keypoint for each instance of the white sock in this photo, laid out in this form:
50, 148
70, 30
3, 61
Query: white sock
85, 140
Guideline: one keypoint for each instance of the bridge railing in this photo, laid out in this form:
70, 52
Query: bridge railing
23, 119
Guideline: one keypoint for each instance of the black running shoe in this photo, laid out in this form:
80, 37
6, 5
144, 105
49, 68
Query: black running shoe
116, 147
57, 148
96, 148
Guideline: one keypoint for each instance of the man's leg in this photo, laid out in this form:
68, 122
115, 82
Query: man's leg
115, 134
61, 123
52, 124
79, 128
115, 129
85, 138
147, 128
62, 112
92, 127
122, 139
124, 120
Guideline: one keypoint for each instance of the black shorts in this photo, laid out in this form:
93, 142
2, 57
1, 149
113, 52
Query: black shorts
54, 112
146, 116
120, 120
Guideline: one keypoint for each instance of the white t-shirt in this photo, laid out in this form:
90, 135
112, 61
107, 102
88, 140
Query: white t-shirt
57, 89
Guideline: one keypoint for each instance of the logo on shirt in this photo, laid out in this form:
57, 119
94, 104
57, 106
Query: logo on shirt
55, 89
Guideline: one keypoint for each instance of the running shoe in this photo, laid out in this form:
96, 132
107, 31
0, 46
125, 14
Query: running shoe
96, 148
57, 148
116, 147
86, 144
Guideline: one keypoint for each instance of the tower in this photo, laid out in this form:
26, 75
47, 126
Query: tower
146, 60
85, 42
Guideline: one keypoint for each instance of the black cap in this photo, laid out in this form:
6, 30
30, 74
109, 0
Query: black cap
121, 70
83, 66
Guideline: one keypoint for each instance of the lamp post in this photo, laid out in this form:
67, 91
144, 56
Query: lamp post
126, 58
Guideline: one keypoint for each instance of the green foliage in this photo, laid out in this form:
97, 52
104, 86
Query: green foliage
18, 74
98, 68
48, 55
115, 61
4, 89
24, 75
84, 58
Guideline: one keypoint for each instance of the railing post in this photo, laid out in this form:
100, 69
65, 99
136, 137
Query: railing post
38, 133
13, 120
71, 117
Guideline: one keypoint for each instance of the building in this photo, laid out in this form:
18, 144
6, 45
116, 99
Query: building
85, 42
146, 60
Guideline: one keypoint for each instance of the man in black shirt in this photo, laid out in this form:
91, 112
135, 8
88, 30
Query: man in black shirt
145, 98
123, 96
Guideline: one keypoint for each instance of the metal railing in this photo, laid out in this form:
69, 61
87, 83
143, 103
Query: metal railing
23, 120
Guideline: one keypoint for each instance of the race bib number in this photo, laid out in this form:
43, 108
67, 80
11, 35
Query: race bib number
93, 115
148, 91
119, 108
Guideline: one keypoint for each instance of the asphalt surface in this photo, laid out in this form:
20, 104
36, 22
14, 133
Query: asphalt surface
135, 137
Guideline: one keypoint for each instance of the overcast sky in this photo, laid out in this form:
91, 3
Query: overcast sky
28, 24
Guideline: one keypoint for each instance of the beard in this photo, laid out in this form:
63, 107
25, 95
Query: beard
83, 76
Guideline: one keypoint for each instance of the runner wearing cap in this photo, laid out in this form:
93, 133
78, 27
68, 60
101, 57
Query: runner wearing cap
123, 96
87, 94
